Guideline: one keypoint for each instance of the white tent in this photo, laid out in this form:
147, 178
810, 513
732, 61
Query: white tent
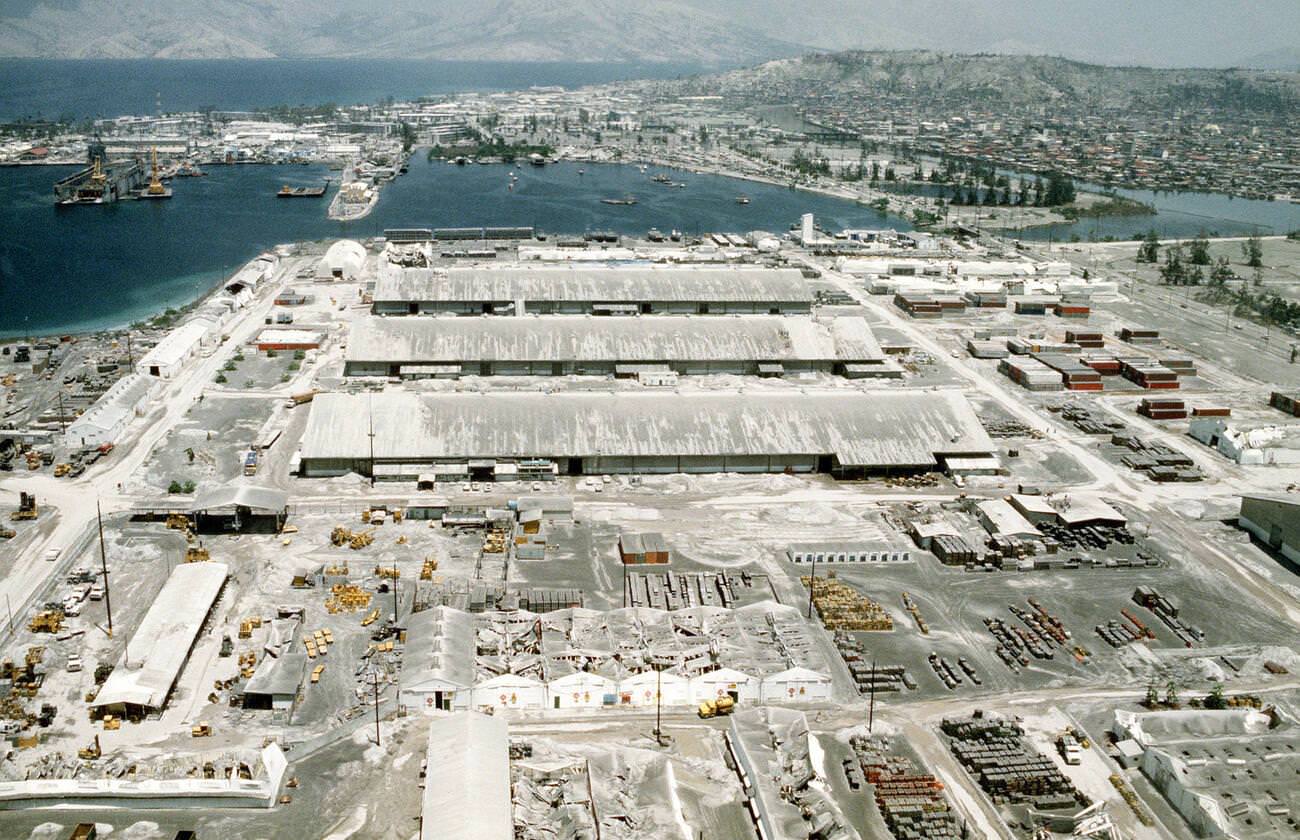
342, 261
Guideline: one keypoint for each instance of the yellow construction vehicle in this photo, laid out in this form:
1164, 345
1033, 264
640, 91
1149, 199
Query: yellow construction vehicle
111, 723
60, 470
7, 533
361, 540
196, 554
370, 618
316, 672
200, 730
340, 536
178, 522
723, 706
27, 509
46, 621
91, 752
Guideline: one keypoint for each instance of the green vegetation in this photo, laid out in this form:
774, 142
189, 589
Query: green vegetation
177, 487
1200, 249
221, 379
1267, 309
1113, 205
1252, 251
1149, 251
496, 148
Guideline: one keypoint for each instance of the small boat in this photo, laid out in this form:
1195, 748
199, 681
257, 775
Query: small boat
625, 201
654, 235
461, 160
675, 236
582, 172
742, 199
661, 178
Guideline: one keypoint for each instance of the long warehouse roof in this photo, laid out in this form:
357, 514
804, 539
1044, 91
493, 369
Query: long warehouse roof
885, 428
594, 339
587, 283
467, 794
160, 645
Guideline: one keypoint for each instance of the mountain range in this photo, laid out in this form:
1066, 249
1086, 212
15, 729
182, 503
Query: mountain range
1167, 33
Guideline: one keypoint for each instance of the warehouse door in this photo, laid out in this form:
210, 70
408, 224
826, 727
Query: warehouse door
1275, 537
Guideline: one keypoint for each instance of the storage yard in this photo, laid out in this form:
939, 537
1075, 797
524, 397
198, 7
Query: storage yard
650, 551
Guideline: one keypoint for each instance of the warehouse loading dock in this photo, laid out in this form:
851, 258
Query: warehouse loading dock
846, 434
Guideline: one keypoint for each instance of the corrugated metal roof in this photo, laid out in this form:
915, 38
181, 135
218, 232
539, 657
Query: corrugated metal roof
886, 428
161, 644
467, 794
595, 339
607, 284
241, 495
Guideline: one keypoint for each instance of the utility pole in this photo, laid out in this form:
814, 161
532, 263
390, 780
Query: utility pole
374, 676
103, 563
659, 698
63, 427
370, 419
812, 586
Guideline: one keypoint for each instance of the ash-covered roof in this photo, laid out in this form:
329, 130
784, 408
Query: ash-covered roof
864, 429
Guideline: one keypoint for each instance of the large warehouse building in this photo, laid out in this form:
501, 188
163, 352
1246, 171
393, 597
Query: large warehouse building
585, 290
585, 345
846, 433
1274, 521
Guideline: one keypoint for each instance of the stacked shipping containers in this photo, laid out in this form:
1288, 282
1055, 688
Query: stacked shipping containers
1032, 374
1162, 409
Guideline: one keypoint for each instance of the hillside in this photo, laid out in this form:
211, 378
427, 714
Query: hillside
1000, 81
495, 30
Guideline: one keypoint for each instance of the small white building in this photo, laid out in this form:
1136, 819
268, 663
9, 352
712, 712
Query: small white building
796, 685
106, 420
167, 358
640, 689
726, 682
582, 690
510, 691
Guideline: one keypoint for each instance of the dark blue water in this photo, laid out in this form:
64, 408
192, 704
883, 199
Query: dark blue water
93, 267
81, 89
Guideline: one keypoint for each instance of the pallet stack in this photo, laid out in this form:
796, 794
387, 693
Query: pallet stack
842, 607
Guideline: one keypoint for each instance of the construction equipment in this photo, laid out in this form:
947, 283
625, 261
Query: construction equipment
370, 618
347, 597
721, 707
27, 509
91, 752
316, 672
46, 621
111, 722
60, 470
430, 566
361, 540
305, 397
7, 533
200, 730
196, 554
178, 522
